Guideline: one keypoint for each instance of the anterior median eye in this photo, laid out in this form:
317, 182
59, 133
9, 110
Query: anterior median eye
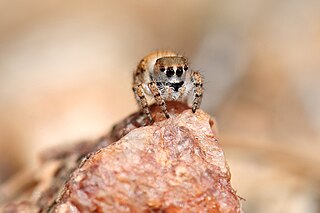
179, 71
170, 72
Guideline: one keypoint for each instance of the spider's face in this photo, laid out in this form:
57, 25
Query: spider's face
171, 71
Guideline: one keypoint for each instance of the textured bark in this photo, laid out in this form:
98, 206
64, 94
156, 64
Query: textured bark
173, 165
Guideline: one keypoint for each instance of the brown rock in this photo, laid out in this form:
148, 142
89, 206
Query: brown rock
175, 165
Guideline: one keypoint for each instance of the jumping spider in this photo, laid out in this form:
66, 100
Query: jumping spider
165, 75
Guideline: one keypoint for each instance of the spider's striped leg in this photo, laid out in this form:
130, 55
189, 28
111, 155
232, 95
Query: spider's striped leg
142, 100
197, 90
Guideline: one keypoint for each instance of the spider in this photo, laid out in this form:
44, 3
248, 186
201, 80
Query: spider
165, 75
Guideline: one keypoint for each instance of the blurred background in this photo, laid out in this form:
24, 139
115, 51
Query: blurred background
66, 71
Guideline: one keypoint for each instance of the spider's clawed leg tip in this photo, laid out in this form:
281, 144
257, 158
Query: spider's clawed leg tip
150, 120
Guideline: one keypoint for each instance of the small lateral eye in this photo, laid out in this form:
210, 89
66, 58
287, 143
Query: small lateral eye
162, 69
186, 68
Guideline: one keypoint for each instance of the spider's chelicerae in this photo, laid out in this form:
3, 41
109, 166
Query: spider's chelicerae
165, 75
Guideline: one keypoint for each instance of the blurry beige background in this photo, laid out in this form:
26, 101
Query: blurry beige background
66, 70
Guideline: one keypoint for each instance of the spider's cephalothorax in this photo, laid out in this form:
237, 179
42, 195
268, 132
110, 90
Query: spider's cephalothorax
166, 76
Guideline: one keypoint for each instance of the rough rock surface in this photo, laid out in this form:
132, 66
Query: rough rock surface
173, 165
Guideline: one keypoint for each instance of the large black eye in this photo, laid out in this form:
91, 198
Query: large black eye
186, 68
179, 71
170, 72
162, 69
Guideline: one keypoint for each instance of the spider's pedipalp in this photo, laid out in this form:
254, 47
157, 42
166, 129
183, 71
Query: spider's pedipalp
159, 99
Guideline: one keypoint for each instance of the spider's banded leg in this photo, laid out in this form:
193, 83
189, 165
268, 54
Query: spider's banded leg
157, 96
197, 90
141, 99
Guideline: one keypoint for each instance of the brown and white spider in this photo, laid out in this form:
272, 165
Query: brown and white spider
165, 75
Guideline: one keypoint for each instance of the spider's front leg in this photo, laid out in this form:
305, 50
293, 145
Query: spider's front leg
157, 96
197, 81
141, 99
